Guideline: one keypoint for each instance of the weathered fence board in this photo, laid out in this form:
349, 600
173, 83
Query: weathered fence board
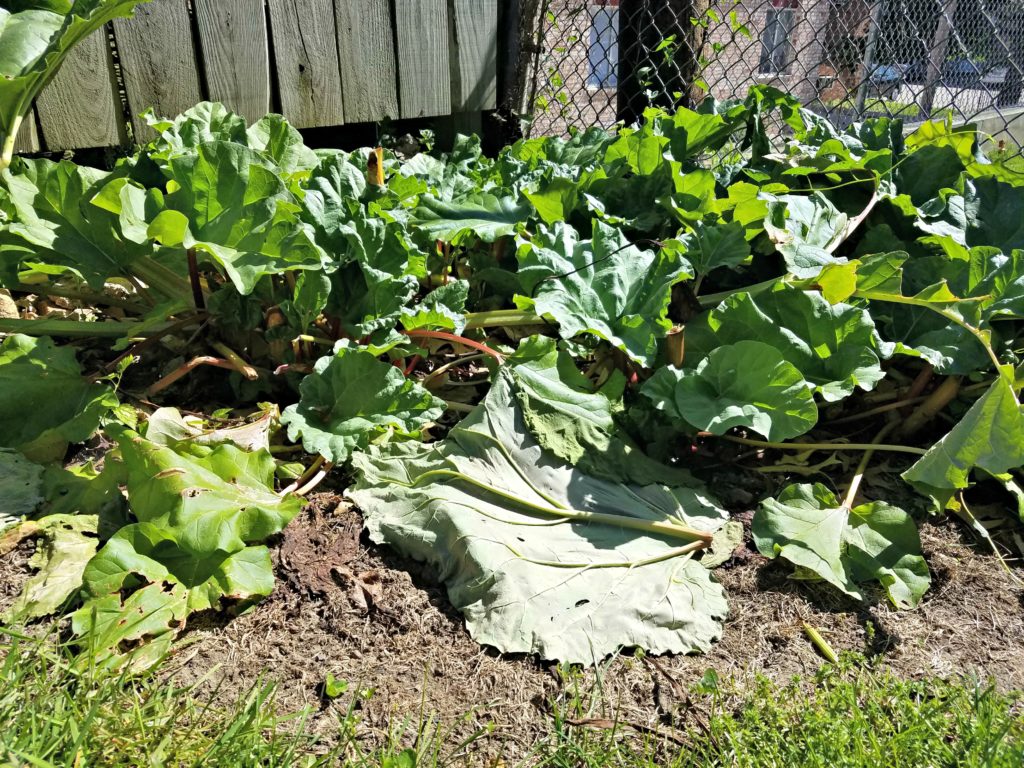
81, 107
158, 61
28, 136
322, 62
474, 52
306, 62
424, 72
366, 50
236, 54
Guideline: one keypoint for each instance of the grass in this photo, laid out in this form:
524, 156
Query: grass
848, 715
904, 109
55, 714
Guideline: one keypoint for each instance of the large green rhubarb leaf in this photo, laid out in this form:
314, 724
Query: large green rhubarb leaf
709, 247
21, 485
482, 214
45, 402
915, 306
995, 219
804, 228
331, 203
539, 556
574, 420
35, 37
202, 515
605, 286
809, 527
371, 292
230, 204
989, 437
55, 223
442, 309
834, 346
352, 399
565, 412
746, 384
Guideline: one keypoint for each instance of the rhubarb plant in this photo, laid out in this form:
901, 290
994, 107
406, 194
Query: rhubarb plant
551, 374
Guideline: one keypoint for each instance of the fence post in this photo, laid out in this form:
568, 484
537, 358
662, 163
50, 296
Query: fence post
875, 25
940, 46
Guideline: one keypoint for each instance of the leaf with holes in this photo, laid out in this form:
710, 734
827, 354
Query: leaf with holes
66, 544
539, 556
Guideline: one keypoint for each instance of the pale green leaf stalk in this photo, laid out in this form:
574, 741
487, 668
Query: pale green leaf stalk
33, 45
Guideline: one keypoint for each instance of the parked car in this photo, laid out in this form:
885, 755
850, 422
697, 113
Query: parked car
963, 72
960, 72
915, 72
886, 78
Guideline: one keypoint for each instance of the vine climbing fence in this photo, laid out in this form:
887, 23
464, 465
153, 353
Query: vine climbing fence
594, 62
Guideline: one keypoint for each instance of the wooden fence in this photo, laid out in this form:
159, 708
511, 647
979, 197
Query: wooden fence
321, 63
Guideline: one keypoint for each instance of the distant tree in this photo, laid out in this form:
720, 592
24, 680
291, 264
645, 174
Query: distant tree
661, 49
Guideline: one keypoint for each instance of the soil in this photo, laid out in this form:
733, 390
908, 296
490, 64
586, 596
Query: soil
364, 615
369, 617
14, 572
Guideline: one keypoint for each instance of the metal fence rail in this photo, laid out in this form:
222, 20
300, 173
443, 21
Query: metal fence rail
605, 60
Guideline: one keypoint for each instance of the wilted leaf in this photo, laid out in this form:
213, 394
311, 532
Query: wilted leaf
66, 544
166, 426
494, 515
132, 633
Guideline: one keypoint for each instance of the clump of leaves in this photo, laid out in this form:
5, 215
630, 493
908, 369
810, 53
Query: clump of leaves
665, 310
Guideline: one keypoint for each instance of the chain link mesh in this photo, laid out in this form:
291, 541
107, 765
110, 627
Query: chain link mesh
605, 60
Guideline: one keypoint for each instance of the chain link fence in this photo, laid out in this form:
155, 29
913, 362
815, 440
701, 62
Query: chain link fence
600, 61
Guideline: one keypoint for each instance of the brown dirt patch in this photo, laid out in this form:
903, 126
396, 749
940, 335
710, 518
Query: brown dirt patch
14, 572
369, 617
